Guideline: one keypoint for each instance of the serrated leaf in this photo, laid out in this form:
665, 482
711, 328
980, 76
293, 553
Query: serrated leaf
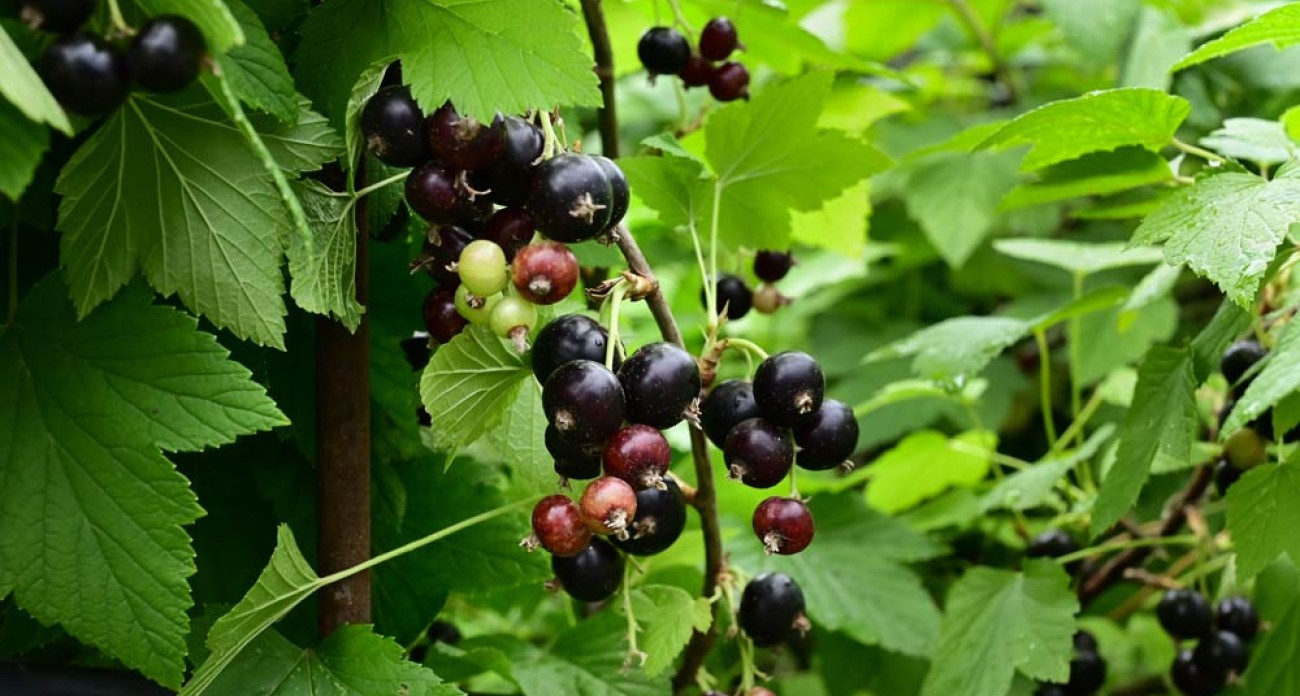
256, 69
1279, 378
955, 197
85, 408
213, 18
1159, 429
21, 149
956, 347
675, 187
1263, 516
840, 225
1226, 227
667, 616
1158, 41
1229, 322
324, 277
1078, 257
25, 90
1029, 487
1280, 27
1098, 121
1252, 139
1095, 174
927, 463
998, 623
1095, 28
469, 384
521, 439
1273, 668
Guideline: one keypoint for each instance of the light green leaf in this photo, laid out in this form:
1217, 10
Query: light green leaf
1226, 227
1095, 28
1263, 516
1154, 287
927, 463
1279, 378
955, 197
21, 149
85, 408
324, 280
256, 69
1078, 257
213, 18
1273, 668
954, 348
1098, 121
667, 616
25, 90
1159, 40
1280, 27
840, 225
521, 439
1252, 139
1095, 174
674, 187
1028, 488
469, 384
998, 623
1159, 429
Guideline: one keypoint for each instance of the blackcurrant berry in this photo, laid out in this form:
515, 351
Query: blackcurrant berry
482, 268
638, 454
784, 525
422, 417
1087, 673
609, 504
1237, 615
441, 252
758, 453
509, 177
166, 54
1051, 543
584, 401
559, 527
1050, 690
660, 381
567, 338
416, 349
513, 318
725, 407
511, 229
772, 266
1225, 475
1195, 679
1239, 358
433, 192
660, 519
696, 72
572, 461
571, 198
475, 309
772, 609
734, 298
789, 388
59, 16
88, 75
462, 142
729, 82
1184, 614
1221, 650
545, 272
441, 319
663, 51
718, 39
591, 576
443, 632
393, 126
619, 190
1084, 641
827, 438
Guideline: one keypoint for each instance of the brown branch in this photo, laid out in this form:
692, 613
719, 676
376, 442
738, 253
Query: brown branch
604, 55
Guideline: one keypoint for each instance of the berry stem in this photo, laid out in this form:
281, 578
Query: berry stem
381, 184
1107, 547
548, 132
115, 17
633, 652
711, 282
680, 18
746, 346
1045, 385
1197, 151
615, 302
1076, 389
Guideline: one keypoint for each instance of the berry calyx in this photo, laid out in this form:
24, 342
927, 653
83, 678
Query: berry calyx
433, 193
734, 298
1237, 615
609, 504
789, 388
1194, 679
1184, 614
59, 16
475, 309
827, 439
571, 198
441, 319
441, 252
659, 521
584, 401
784, 525
1223, 651
638, 454
545, 272
729, 82
591, 576
772, 609
508, 178
393, 126
86, 74
482, 268
620, 193
567, 338
167, 53
572, 461
758, 453
559, 527
725, 407
718, 39
771, 266
511, 229
514, 319
462, 142
660, 381
663, 51
696, 72
1238, 359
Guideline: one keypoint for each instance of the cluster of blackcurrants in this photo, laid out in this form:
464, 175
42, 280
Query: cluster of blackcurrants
92, 76
1246, 447
1222, 636
735, 298
1087, 670
665, 51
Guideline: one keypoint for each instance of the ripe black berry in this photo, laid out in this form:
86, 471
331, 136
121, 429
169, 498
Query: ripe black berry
718, 39
663, 51
1239, 358
1085, 641
432, 191
827, 438
461, 142
442, 249
393, 126
584, 401
1225, 475
660, 381
734, 297
416, 349
508, 177
638, 454
441, 319
772, 609
1237, 615
1194, 679
696, 72
443, 632
1051, 543
592, 575
59, 16
1087, 673
572, 461
621, 194
772, 266
544, 272
1184, 614
88, 75
1050, 690
511, 229
784, 525
660, 519
789, 388
567, 338
608, 505
729, 82
167, 53
758, 453
559, 527
1223, 651
571, 198
725, 407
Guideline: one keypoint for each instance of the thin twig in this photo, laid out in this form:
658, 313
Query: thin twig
604, 55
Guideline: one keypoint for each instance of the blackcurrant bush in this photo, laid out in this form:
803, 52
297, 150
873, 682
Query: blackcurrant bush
393, 126
441, 319
584, 401
663, 51
621, 194
167, 53
827, 438
1221, 650
789, 388
463, 143
59, 16
591, 576
571, 198
559, 526
513, 318
784, 525
660, 381
1184, 614
567, 338
772, 609
758, 453
482, 268
734, 298
1087, 673
433, 193
416, 349
1239, 358
725, 407
88, 75
771, 266
660, 519
1225, 475
696, 72
511, 229
572, 461
1237, 615
441, 252
1194, 679
509, 177
545, 272
729, 82
638, 454
718, 39
609, 504
475, 309
1051, 543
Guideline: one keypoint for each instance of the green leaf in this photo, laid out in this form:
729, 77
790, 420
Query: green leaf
927, 463
1280, 27
840, 225
85, 408
1029, 488
954, 348
256, 70
468, 386
521, 439
1273, 668
1229, 322
1095, 28
675, 187
21, 150
998, 623
1252, 139
955, 197
25, 90
667, 616
367, 85
1077, 257
1098, 121
1159, 40
1226, 227
1095, 174
486, 56
1279, 378
213, 18
1263, 516
1159, 430
324, 278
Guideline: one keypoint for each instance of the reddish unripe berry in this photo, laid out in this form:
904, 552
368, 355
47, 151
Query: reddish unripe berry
609, 504
729, 82
462, 142
545, 272
758, 453
638, 454
559, 526
718, 39
511, 229
784, 525
697, 72
441, 319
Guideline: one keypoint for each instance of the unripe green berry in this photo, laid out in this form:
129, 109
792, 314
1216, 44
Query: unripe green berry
482, 268
514, 318
475, 309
